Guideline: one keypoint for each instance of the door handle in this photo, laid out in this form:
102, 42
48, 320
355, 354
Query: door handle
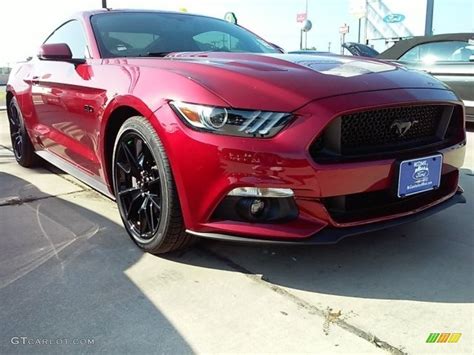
35, 80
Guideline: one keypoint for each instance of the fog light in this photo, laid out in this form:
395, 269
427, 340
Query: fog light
256, 207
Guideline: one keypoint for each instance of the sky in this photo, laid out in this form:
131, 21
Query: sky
25, 24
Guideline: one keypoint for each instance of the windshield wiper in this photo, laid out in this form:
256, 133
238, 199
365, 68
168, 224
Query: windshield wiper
155, 54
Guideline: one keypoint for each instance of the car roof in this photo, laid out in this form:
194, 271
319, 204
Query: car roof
112, 11
401, 47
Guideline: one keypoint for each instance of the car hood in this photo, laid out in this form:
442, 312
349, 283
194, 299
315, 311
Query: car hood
286, 82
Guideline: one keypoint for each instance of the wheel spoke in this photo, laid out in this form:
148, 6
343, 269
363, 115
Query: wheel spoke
140, 154
14, 124
141, 160
142, 216
131, 159
141, 221
18, 145
128, 191
124, 168
154, 181
13, 118
15, 136
132, 203
151, 215
156, 201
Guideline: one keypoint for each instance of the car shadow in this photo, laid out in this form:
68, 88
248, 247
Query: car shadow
62, 276
62, 272
428, 261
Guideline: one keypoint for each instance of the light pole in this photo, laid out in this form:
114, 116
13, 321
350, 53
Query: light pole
306, 26
306, 32
429, 18
343, 30
358, 36
358, 9
104, 4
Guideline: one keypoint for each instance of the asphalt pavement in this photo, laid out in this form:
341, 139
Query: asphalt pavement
72, 281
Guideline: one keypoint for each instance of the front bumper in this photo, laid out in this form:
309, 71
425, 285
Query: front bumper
206, 167
335, 235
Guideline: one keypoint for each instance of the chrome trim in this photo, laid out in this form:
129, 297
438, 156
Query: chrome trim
261, 192
468, 103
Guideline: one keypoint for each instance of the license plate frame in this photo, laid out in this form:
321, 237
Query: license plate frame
419, 175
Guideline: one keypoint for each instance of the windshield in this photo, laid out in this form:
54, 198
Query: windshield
136, 34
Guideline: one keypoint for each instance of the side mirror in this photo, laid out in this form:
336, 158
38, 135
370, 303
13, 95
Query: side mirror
57, 52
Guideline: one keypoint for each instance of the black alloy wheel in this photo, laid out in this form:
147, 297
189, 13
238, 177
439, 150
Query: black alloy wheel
145, 190
16, 131
138, 186
21, 143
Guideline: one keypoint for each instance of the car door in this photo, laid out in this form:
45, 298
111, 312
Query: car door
451, 62
66, 102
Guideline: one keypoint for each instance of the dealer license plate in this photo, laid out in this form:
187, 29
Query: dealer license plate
419, 175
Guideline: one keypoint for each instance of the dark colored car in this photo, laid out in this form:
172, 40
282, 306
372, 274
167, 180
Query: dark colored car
360, 50
448, 57
198, 127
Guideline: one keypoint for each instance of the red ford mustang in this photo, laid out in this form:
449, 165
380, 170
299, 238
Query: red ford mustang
198, 127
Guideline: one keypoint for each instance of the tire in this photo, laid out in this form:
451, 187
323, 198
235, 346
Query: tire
21, 143
145, 190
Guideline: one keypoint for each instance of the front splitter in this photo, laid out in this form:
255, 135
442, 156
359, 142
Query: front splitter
334, 235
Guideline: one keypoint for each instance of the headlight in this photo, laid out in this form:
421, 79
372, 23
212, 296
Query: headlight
232, 122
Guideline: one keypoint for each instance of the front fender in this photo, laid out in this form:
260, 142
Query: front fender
145, 90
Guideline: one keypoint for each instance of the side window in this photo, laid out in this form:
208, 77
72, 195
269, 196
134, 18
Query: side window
72, 34
446, 51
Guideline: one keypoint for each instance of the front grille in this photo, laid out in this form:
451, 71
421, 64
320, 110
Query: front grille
393, 129
379, 127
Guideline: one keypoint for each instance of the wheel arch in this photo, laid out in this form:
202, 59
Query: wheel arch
116, 113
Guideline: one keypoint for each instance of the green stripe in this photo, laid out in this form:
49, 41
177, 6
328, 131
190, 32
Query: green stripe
432, 338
